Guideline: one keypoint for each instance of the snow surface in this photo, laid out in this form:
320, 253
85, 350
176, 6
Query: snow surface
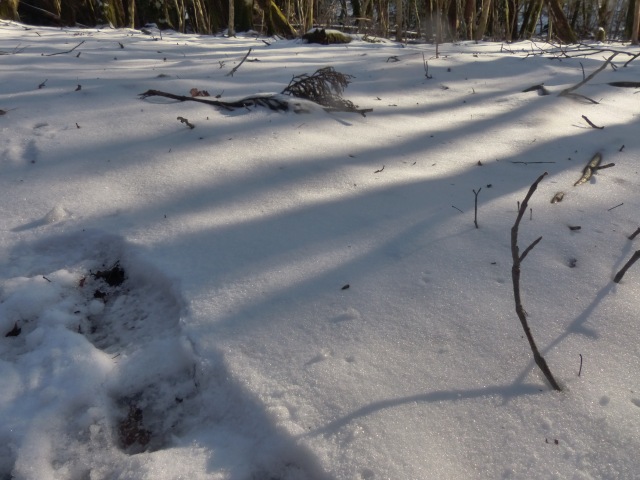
232, 349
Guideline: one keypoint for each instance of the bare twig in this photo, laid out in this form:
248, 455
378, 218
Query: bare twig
589, 169
527, 163
569, 90
230, 74
515, 275
475, 211
619, 205
626, 267
580, 370
593, 125
426, 67
62, 53
184, 120
634, 234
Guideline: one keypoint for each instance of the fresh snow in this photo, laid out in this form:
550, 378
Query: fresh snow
231, 348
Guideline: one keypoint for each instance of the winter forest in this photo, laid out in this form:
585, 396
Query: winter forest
566, 21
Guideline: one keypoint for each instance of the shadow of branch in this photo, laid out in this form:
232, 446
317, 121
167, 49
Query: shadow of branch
504, 391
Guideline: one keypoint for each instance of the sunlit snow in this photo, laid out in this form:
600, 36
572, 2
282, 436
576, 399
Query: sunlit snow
273, 295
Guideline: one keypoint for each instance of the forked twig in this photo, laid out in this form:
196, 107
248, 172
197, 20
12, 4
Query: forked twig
515, 276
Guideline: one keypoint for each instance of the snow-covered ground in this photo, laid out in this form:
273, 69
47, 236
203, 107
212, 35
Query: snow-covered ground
174, 301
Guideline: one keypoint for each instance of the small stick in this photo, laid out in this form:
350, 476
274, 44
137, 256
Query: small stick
634, 234
61, 53
580, 370
619, 205
601, 167
626, 267
527, 163
230, 74
530, 214
184, 120
426, 66
475, 212
43, 84
593, 125
461, 210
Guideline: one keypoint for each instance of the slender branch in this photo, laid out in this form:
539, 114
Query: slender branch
62, 53
593, 125
590, 77
515, 275
634, 234
529, 248
634, 258
475, 212
230, 74
593, 165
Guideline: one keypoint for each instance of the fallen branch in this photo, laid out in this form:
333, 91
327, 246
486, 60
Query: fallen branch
62, 53
230, 74
324, 88
625, 84
537, 88
634, 234
515, 275
634, 258
589, 169
593, 125
268, 101
568, 91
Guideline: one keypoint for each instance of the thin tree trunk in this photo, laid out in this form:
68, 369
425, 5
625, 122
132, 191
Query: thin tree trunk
563, 30
635, 29
399, 20
469, 18
484, 17
231, 30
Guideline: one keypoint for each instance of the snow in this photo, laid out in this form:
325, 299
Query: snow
231, 348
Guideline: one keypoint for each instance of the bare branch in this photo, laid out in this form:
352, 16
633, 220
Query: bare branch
626, 267
515, 276
590, 77
230, 74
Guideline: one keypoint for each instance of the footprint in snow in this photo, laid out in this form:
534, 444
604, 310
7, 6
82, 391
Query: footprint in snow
95, 368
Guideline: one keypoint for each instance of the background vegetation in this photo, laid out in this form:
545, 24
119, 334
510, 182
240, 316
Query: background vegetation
431, 20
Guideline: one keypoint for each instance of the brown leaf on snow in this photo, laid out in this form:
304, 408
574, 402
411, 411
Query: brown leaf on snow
199, 93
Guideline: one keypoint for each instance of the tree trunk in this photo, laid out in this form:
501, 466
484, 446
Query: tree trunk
560, 23
275, 21
635, 29
231, 30
484, 17
469, 18
530, 18
399, 20
9, 10
132, 14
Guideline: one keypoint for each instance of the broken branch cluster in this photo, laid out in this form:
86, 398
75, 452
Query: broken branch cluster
324, 87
